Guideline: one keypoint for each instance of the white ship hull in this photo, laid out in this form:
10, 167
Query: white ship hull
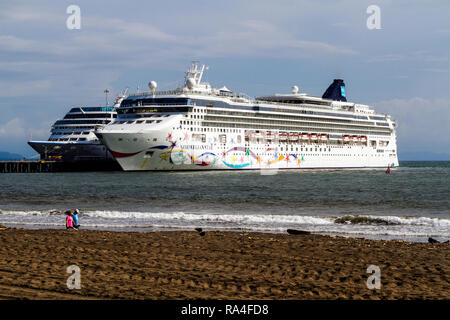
72, 151
176, 150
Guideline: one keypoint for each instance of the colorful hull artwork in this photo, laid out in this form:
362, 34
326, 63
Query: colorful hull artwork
244, 162
205, 159
181, 156
236, 157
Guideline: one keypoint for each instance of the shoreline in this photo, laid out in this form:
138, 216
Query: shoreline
218, 265
138, 229
411, 228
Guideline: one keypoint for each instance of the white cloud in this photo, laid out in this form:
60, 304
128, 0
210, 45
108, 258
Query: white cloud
17, 129
12, 129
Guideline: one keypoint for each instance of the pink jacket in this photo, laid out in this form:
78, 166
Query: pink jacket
69, 221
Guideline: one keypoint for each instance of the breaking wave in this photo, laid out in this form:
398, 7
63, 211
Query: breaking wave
350, 225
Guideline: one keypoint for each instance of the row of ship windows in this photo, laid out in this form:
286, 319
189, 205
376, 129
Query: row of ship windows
213, 129
207, 129
68, 139
91, 115
74, 128
194, 129
224, 105
328, 149
222, 139
148, 121
262, 139
90, 109
323, 154
283, 116
226, 130
361, 124
286, 128
136, 122
338, 154
221, 104
301, 149
292, 123
70, 133
82, 121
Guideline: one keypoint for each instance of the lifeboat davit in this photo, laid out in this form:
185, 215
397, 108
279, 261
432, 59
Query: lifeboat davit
257, 134
293, 136
269, 135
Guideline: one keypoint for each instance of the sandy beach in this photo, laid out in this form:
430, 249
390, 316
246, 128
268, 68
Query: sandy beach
218, 265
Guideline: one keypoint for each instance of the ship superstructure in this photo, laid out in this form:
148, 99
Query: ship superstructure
198, 127
72, 138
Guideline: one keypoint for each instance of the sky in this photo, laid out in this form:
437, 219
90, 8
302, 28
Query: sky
255, 47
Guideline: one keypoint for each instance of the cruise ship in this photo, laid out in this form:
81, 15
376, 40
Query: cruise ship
72, 138
198, 127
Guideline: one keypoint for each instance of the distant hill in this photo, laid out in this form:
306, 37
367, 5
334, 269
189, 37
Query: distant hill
6, 156
423, 156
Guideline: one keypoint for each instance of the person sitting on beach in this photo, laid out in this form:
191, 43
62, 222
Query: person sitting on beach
76, 225
69, 220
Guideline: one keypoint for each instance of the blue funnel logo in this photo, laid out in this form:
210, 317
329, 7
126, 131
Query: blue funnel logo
343, 91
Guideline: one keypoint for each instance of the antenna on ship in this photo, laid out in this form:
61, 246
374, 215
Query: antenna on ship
120, 98
106, 92
193, 77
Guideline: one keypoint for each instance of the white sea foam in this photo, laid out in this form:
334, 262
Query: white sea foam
395, 226
211, 217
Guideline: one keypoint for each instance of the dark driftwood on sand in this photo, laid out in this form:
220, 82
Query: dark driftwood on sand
293, 231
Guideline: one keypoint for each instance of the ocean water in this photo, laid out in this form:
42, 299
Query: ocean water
412, 203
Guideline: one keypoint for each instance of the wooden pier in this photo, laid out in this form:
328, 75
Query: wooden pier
56, 166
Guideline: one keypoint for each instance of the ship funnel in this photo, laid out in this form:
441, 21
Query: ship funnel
336, 91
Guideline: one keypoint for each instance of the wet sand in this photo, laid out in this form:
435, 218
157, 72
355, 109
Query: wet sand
218, 265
